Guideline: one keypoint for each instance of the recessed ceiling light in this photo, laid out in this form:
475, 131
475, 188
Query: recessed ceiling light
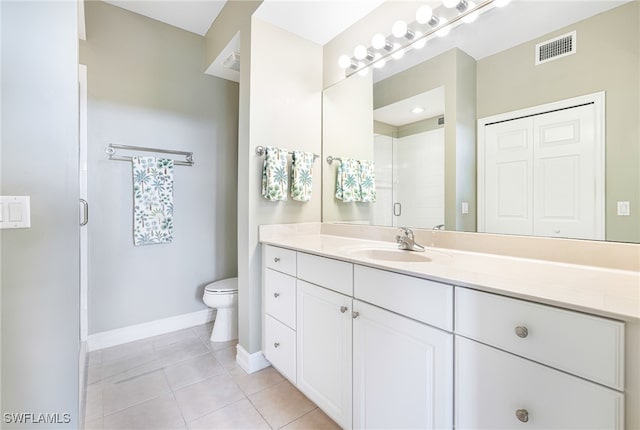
417, 110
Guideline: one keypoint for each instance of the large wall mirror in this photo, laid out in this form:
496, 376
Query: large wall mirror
471, 134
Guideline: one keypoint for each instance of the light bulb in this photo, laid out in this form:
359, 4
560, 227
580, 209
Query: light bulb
363, 70
379, 62
344, 62
419, 43
473, 15
378, 41
399, 53
399, 29
450, 3
424, 14
502, 3
443, 31
360, 52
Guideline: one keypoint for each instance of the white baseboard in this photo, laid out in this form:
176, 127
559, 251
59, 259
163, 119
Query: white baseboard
251, 363
122, 335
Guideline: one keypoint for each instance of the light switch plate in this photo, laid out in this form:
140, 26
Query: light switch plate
465, 207
624, 208
15, 212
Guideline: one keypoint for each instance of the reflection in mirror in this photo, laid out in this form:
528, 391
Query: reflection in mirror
492, 84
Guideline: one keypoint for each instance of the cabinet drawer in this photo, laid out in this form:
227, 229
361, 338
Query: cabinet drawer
420, 299
280, 297
585, 345
280, 259
332, 274
498, 390
280, 347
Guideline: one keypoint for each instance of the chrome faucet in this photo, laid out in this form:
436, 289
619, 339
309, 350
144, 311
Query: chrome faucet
439, 227
407, 242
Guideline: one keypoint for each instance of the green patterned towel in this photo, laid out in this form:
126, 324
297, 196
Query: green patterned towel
152, 200
367, 181
274, 174
348, 181
302, 176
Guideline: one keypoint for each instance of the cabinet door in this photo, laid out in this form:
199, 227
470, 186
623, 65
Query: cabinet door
497, 390
324, 350
402, 372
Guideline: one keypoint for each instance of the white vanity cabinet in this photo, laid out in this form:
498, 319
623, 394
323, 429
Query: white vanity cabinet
402, 367
324, 350
279, 300
516, 361
402, 372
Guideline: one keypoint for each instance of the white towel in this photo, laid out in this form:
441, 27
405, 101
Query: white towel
152, 200
302, 176
275, 179
348, 181
367, 181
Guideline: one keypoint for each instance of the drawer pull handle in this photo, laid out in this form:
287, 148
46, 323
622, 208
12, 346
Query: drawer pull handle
343, 309
276, 295
522, 415
355, 314
276, 344
522, 331
277, 259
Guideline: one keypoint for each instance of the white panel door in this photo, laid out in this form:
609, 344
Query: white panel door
542, 174
419, 179
508, 202
403, 372
565, 173
324, 350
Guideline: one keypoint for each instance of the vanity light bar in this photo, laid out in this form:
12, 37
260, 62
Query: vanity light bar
402, 32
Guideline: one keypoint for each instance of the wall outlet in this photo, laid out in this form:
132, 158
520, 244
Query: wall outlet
624, 208
465, 207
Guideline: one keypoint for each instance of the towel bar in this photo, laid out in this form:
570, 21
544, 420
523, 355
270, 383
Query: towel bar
260, 152
111, 151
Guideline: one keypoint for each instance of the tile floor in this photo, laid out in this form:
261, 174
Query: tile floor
181, 380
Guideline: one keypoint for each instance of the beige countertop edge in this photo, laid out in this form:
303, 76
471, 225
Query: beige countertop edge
606, 292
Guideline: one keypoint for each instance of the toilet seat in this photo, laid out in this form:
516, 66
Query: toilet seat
225, 286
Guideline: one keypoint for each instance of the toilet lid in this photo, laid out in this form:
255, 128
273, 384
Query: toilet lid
229, 285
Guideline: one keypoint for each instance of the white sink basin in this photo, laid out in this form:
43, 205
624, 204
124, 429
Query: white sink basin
386, 254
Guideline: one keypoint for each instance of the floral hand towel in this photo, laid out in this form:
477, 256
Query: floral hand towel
302, 176
275, 179
152, 200
348, 181
367, 181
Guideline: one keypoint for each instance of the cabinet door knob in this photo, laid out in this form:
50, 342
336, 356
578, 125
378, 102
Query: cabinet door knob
276, 295
522, 415
276, 344
343, 309
521, 331
275, 260
355, 314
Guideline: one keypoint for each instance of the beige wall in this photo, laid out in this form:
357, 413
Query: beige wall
455, 71
347, 114
146, 88
607, 58
284, 110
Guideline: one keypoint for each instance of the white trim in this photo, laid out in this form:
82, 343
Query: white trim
598, 99
122, 335
251, 363
82, 181
83, 364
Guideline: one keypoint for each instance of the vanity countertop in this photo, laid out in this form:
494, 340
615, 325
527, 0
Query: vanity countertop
607, 292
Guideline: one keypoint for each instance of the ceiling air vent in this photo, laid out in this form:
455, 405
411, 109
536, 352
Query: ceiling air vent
558, 47
233, 61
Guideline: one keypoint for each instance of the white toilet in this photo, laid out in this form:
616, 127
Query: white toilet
223, 296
